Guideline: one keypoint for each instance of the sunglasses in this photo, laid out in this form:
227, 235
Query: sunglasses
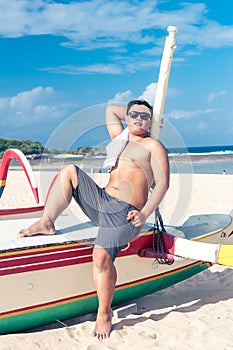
142, 115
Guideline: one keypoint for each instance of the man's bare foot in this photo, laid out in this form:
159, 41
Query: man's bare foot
43, 226
103, 325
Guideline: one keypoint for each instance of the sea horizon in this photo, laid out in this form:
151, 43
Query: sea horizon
197, 160
202, 150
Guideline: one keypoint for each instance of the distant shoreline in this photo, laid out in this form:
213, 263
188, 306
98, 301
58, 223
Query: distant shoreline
200, 157
206, 163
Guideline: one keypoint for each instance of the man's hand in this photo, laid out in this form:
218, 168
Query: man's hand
136, 217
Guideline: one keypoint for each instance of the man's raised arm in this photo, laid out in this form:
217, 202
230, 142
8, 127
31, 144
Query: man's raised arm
115, 114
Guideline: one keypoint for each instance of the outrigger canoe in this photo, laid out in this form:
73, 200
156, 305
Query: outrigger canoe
49, 278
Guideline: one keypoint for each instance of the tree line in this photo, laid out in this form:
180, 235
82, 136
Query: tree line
29, 147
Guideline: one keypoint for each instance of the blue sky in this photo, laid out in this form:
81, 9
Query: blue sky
66, 58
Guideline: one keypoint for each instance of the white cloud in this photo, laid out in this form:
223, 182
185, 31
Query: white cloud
26, 100
213, 95
89, 69
39, 105
83, 23
214, 35
95, 24
182, 114
92, 24
122, 97
149, 93
122, 64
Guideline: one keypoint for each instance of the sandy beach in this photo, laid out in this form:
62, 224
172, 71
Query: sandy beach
193, 314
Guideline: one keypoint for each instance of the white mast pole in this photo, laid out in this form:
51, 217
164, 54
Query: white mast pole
164, 72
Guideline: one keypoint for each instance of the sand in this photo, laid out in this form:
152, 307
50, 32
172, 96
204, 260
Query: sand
193, 314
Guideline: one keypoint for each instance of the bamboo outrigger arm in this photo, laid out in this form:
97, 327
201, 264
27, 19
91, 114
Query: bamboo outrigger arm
164, 72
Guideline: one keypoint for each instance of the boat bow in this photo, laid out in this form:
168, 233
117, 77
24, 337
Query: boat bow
20, 157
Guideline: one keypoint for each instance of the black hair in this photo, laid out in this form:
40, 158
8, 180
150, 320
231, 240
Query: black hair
139, 102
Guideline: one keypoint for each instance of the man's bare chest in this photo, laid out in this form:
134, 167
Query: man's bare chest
135, 153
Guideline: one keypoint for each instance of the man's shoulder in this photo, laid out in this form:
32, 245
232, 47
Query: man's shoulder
154, 145
153, 142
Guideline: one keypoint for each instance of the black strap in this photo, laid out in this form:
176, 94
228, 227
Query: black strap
157, 239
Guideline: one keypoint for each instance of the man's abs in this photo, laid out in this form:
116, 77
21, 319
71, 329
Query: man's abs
128, 186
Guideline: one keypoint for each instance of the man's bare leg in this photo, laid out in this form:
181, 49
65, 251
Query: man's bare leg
58, 199
105, 276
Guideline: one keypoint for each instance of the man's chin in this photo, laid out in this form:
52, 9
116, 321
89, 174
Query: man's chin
138, 130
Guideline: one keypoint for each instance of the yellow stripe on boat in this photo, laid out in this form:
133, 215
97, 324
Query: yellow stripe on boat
2, 183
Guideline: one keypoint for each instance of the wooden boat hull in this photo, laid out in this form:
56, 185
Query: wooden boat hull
62, 288
48, 278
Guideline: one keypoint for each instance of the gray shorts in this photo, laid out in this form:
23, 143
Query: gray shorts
109, 213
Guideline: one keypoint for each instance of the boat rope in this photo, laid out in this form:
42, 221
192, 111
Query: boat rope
157, 240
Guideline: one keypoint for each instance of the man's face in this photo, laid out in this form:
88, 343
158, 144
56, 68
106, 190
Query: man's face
139, 118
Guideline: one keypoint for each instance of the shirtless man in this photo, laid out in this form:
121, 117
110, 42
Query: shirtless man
122, 207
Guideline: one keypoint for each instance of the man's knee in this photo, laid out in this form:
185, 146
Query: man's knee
70, 172
101, 258
70, 169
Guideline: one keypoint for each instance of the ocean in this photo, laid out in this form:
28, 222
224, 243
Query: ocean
202, 159
204, 150
197, 160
